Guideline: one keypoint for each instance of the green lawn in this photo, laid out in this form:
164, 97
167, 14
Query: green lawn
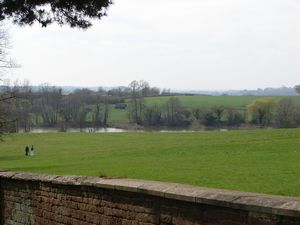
266, 161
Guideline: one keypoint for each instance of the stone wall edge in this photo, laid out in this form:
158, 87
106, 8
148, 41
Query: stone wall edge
277, 205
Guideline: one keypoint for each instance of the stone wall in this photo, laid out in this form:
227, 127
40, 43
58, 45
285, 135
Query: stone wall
27, 199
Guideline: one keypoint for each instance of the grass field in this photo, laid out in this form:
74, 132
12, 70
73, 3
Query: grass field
192, 102
266, 161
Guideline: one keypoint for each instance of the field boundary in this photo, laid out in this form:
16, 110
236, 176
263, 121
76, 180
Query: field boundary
159, 194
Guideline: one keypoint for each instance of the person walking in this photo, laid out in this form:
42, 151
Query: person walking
32, 151
26, 150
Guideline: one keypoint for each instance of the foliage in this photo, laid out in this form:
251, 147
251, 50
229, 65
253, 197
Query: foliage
207, 117
287, 113
219, 116
255, 161
218, 111
233, 118
261, 111
153, 116
174, 114
48, 106
75, 13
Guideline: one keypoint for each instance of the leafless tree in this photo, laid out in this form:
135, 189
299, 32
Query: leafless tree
6, 95
48, 103
287, 113
137, 102
175, 114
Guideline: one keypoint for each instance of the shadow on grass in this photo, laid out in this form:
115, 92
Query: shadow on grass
10, 157
46, 168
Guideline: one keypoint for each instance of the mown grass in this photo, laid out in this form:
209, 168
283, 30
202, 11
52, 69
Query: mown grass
266, 161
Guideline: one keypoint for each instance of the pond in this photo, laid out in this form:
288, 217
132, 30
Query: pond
75, 130
114, 130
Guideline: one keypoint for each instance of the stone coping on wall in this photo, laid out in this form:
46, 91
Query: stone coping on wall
278, 205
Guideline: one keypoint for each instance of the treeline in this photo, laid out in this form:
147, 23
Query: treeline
264, 112
174, 114
267, 112
49, 106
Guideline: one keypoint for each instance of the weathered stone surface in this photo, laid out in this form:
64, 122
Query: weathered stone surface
67, 180
7, 174
29, 199
154, 188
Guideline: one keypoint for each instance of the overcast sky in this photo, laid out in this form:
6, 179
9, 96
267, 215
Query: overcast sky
179, 44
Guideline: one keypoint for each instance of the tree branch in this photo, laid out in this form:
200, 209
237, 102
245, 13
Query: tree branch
75, 13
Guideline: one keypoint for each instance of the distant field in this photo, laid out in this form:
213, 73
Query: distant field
266, 161
238, 102
191, 102
117, 116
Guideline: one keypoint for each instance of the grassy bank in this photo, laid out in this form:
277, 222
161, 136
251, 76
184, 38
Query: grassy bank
266, 161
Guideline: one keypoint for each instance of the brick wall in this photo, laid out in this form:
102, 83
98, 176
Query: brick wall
28, 199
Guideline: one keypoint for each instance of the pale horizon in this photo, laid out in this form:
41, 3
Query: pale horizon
195, 45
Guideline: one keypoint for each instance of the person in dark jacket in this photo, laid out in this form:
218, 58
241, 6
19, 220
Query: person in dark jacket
26, 150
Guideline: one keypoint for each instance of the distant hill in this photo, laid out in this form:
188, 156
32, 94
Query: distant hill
281, 91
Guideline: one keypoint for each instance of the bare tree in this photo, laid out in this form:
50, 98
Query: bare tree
81, 118
137, 103
48, 104
175, 114
287, 113
106, 112
69, 110
100, 112
153, 115
233, 117
21, 107
6, 95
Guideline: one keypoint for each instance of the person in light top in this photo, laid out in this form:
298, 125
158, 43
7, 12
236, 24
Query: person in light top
32, 151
